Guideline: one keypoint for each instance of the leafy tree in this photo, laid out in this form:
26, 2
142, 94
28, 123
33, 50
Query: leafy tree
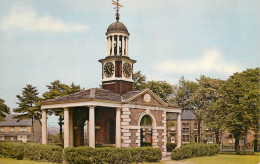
4, 109
28, 105
161, 88
139, 80
58, 89
184, 97
208, 97
242, 99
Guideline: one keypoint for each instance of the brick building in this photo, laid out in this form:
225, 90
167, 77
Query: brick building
189, 130
12, 130
116, 114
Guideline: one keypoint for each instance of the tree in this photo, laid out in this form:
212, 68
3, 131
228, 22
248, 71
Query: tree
4, 109
242, 99
28, 105
161, 88
139, 80
183, 96
57, 89
209, 96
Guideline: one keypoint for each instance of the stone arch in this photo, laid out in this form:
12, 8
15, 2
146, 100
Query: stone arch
147, 112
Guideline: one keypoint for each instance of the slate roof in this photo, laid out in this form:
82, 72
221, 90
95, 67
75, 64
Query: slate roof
10, 121
97, 93
94, 93
186, 115
130, 94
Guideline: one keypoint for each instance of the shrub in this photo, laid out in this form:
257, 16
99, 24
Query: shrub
112, 155
50, 153
170, 146
194, 150
12, 150
31, 151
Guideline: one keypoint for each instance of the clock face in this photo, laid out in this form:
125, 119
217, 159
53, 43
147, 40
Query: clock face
127, 70
109, 69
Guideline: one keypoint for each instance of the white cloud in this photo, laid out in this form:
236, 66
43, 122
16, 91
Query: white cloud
211, 61
25, 18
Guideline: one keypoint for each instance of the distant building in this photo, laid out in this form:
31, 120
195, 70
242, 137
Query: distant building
189, 131
12, 130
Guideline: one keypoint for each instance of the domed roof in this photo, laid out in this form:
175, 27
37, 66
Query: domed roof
117, 27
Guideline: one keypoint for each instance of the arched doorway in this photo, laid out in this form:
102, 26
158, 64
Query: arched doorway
146, 131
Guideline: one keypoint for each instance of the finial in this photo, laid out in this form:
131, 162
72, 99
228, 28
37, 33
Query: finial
117, 9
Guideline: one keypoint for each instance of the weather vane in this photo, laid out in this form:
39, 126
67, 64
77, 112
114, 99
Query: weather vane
117, 8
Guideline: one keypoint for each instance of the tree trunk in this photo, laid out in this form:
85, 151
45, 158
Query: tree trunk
32, 138
60, 123
255, 143
237, 147
217, 137
199, 121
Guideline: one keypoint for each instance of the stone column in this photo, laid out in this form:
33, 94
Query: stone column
91, 137
123, 45
179, 130
118, 127
44, 126
117, 42
66, 128
71, 129
126, 46
113, 45
108, 48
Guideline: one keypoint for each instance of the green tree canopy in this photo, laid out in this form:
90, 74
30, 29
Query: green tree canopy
28, 105
208, 97
162, 88
242, 99
4, 109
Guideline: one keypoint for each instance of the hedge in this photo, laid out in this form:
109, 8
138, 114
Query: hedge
86, 155
194, 150
31, 151
79, 155
170, 146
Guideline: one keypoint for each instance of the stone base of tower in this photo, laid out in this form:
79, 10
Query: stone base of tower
118, 86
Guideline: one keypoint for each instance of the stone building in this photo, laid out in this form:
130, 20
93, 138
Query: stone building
189, 131
116, 114
13, 130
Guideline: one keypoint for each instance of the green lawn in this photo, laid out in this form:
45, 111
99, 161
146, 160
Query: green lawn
222, 158
14, 161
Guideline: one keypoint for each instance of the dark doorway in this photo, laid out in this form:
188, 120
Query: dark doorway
111, 131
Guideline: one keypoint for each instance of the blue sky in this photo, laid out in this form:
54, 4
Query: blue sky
45, 40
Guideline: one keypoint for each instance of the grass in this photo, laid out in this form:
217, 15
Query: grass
12, 161
221, 158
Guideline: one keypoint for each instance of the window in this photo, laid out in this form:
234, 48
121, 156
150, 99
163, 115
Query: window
231, 140
23, 129
2, 138
172, 139
209, 138
1, 129
185, 138
172, 128
196, 138
195, 126
11, 129
186, 126
12, 138
206, 128
146, 121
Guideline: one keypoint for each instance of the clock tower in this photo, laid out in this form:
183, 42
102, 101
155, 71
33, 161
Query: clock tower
117, 67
